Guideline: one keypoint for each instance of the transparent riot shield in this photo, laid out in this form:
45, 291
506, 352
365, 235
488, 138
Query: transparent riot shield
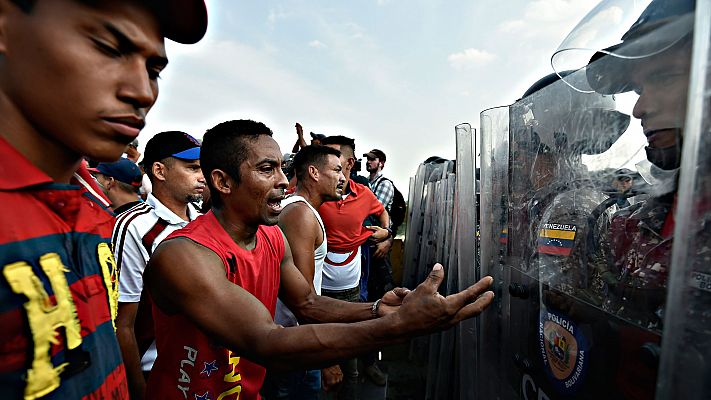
465, 253
686, 351
413, 236
493, 356
582, 307
429, 240
440, 377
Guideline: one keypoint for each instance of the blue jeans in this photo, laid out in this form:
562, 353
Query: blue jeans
301, 385
349, 387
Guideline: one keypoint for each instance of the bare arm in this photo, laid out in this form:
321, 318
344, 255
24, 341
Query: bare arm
300, 141
384, 219
381, 232
299, 295
383, 248
125, 322
303, 235
185, 276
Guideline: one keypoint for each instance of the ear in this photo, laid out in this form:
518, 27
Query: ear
221, 181
159, 170
110, 182
351, 163
313, 172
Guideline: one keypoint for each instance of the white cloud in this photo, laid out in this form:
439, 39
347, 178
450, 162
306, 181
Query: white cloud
470, 58
512, 26
317, 44
548, 19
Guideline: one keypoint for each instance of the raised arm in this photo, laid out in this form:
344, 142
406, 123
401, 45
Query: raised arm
300, 141
183, 276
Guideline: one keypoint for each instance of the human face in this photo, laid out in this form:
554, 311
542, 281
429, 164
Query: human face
184, 180
662, 83
346, 162
102, 181
331, 179
80, 78
262, 183
622, 184
372, 165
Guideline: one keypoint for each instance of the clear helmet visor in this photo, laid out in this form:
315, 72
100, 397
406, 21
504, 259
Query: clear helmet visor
618, 33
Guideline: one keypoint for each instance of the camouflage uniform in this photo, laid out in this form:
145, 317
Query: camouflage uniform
640, 259
568, 263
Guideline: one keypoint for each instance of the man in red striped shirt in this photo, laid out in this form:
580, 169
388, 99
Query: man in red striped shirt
76, 79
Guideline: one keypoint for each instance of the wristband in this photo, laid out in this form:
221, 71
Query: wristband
374, 308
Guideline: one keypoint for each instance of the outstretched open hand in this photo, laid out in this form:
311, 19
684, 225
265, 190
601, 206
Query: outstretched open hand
424, 310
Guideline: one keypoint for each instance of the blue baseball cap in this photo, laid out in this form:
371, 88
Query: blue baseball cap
123, 170
171, 144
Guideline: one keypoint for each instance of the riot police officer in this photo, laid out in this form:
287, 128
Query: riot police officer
654, 60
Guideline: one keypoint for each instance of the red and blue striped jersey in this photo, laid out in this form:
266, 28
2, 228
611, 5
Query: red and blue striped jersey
58, 293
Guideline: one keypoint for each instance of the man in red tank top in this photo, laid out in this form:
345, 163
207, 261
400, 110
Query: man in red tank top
215, 283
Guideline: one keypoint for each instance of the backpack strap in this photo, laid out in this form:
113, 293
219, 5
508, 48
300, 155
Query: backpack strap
380, 180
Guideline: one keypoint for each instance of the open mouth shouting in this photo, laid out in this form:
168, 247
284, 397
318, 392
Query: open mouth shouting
274, 203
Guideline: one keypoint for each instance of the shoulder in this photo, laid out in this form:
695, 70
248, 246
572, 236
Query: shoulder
297, 213
173, 252
358, 187
137, 219
275, 239
385, 181
272, 233
135, 215
361, 190
202, 228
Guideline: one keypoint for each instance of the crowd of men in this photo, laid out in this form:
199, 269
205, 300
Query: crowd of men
108, 292
76, 81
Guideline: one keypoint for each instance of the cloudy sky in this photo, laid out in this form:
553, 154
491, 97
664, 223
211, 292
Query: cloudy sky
396, 75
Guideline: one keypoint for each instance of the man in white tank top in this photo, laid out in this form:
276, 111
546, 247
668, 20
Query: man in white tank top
319, 178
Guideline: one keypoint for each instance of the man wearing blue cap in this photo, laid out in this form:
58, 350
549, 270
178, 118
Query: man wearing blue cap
172, 163
120, 181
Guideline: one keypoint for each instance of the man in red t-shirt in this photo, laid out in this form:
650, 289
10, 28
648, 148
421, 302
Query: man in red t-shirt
215, 283
343, 266
76, 79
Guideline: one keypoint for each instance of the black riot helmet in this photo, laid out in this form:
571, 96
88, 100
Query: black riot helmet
567, 121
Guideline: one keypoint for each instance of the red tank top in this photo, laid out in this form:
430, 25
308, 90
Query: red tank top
189, 364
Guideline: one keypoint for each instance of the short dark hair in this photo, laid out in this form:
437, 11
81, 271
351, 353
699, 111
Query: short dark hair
128, 188
28, 5
346, 144
315, 155
224, 147
25, 5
